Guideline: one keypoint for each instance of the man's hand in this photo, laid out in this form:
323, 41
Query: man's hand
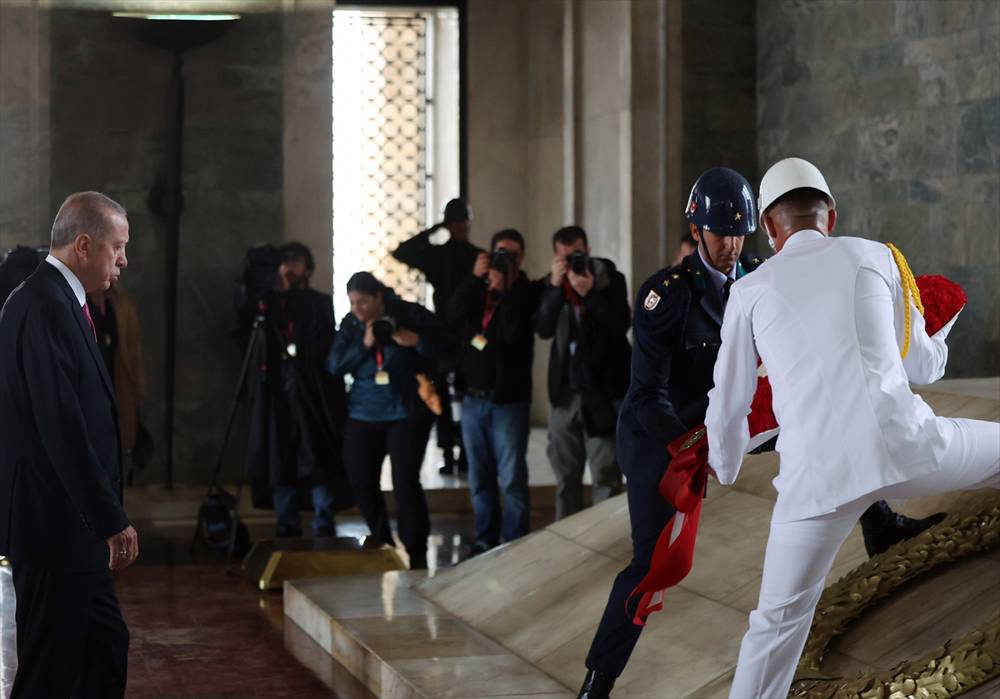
558, 270
123, 548
581, 283
406, 338
497, 281
369, 338
482, 265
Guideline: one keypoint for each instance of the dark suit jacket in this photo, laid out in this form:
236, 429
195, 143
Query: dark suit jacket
60, 462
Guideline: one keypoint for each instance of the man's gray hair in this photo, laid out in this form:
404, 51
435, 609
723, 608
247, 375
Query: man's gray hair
84, 212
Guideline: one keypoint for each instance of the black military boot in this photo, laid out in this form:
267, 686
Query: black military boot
597, 685
882, 527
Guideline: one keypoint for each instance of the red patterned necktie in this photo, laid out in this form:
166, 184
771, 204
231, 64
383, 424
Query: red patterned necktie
90, 319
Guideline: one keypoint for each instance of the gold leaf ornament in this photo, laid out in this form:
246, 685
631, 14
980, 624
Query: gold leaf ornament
947, 671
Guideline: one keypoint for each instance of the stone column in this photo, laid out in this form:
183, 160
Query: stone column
307, 147
25, 215
520, 133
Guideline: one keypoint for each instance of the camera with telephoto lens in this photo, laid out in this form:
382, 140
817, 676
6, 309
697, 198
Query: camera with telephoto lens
383, 329
501, 260
579, 262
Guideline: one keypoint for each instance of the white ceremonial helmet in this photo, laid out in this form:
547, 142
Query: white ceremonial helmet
786, 175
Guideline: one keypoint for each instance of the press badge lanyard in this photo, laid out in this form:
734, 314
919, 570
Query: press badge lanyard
480, 341
381, 375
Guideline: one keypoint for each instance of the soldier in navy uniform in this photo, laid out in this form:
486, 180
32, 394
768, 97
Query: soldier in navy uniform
678, 319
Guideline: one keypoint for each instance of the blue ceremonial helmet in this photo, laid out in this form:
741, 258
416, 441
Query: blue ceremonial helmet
723, 202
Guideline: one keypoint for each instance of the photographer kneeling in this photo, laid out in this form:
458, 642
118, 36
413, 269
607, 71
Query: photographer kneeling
383, 343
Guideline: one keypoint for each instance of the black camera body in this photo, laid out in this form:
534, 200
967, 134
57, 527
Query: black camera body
579, 262
383, 329
502, 260
260, 270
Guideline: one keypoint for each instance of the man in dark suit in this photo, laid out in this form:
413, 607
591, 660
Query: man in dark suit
62, 524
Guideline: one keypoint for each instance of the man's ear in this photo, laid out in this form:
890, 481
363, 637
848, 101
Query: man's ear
82, 244
693, 230
831, 221
767, 225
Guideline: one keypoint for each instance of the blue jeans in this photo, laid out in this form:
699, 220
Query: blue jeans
287, 510
496, 445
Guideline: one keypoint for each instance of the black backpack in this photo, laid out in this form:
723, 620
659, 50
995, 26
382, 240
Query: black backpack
216, 515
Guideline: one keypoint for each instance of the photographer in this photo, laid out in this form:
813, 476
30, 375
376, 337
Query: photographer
383, 343
296, 409
445, 266
584, 309
494, 306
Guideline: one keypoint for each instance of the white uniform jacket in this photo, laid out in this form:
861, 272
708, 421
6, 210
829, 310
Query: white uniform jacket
826, 317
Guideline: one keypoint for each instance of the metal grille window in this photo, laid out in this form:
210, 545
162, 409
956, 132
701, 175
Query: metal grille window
384, 154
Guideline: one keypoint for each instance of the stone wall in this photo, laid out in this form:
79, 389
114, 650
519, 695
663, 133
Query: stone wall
719, 94
899, 104
24, 125
109, 120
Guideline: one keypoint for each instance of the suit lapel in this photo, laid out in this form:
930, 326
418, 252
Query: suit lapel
84, 326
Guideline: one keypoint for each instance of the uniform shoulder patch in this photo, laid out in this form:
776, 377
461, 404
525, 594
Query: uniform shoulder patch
652, 300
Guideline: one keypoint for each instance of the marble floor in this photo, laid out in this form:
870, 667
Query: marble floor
518, 620
200, 631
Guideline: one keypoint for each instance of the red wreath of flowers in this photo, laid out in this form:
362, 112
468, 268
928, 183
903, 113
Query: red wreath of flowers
942, 299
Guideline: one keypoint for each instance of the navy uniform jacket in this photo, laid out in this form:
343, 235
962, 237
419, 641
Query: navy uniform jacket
60, 466
678, 319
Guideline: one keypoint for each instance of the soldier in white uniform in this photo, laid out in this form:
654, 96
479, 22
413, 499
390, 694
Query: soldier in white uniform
834, 322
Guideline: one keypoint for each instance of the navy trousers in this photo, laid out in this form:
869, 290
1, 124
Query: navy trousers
643, 461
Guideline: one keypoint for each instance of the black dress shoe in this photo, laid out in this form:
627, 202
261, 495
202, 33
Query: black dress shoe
882, 527
596, 685
477, 548
286, 532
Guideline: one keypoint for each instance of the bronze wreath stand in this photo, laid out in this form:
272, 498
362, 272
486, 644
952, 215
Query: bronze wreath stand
947, 671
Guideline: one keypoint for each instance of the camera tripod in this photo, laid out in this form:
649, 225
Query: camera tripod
217, 497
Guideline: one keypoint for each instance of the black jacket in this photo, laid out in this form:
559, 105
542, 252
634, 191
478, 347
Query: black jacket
510, 337
676, 339
601, 362
296, 410
60, 466
445, 266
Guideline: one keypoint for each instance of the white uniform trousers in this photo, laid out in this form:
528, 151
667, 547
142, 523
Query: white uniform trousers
800, 554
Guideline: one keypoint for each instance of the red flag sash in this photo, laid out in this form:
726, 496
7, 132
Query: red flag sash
683, 486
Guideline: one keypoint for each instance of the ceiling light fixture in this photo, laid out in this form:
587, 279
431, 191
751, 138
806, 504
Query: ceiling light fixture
178, 17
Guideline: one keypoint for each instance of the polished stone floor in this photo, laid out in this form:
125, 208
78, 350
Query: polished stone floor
200, 631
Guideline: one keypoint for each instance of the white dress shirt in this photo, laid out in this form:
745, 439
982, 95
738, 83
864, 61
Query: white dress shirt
825, 316
74, 283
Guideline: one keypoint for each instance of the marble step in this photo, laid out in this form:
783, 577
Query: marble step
518, 620
402, 646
